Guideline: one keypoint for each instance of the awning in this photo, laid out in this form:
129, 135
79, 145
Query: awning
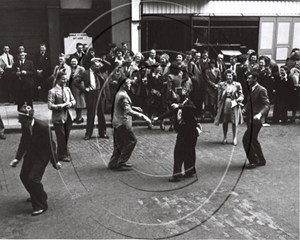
231, 52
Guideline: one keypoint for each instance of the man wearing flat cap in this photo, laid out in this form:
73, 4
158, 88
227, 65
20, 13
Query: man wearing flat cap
37, 147
124, 138
93, 83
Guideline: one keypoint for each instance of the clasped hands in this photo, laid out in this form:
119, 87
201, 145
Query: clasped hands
22, 72
67, 105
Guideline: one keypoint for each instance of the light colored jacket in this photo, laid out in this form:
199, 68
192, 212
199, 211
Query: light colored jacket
122, 111
3, 59
56, 104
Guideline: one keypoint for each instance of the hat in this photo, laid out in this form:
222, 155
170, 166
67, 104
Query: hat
112, 45
97, 61
250, 51
26, 111
165, 56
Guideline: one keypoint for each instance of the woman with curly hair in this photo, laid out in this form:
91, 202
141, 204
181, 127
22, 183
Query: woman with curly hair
230, 97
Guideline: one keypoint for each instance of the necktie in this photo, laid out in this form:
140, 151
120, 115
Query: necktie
64, 97
8, 60
21, 64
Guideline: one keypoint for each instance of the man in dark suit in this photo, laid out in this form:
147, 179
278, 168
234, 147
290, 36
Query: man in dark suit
79, 55
221, 65
241, 75
24, 71
204, 62
37, 147
21, 49
93, 81
256, 108
42, 65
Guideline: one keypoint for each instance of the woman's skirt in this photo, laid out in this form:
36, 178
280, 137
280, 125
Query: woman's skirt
79, 97
233, 115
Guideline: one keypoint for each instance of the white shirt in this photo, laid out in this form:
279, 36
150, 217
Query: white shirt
31, 126
152, 61
254, 87
92, 79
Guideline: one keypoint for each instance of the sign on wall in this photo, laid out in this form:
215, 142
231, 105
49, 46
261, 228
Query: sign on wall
74, 38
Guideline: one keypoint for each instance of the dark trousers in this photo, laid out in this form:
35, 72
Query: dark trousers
7, 80
24, 95
92, 107
1, 125
251, 144
185, 153
31, 175
124, 144
280, 111
62, 132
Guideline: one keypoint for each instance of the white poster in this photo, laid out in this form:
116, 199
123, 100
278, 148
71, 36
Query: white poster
70, 42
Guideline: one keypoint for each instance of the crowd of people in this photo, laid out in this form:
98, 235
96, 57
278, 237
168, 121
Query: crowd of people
154, 80
186, 90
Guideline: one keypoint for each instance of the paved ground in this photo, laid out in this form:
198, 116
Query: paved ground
86, 200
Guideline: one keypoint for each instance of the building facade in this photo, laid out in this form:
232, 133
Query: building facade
271, 28
31, 22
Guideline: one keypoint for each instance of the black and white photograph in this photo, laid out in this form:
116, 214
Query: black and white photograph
149, 119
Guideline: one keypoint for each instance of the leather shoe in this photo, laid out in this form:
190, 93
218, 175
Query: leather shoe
103, 136
127, 165
65, 159
123, 168
38, 212
2, 136
174, 179
260, 164
80, 121
87, 137
188, 175
250, 166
